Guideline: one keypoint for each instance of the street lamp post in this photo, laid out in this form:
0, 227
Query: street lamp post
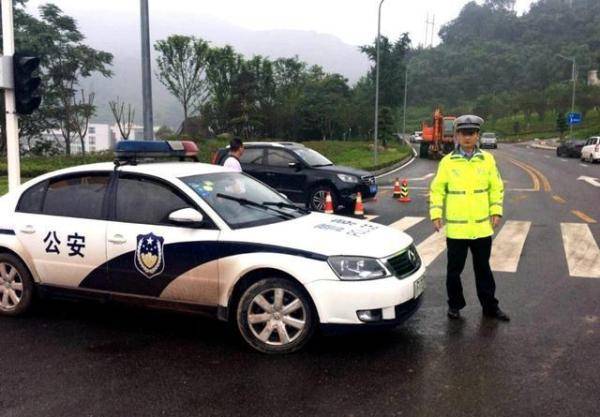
146, 72
574, 80
404, 106
377, 82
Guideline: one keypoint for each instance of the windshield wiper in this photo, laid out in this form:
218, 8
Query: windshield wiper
246, 202
286, 205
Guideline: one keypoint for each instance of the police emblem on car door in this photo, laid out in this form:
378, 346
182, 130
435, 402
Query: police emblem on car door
149, 255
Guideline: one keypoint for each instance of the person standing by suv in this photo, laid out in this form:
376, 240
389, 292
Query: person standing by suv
236, 150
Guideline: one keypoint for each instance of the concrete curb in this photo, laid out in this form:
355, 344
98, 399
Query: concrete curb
545, 147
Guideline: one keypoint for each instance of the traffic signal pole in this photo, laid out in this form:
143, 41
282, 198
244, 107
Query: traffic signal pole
12, 122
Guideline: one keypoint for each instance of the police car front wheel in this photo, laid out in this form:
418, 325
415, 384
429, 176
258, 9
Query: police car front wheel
275, 316
16, 286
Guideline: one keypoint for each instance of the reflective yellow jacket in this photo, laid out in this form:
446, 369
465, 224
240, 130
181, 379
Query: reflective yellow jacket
465, 193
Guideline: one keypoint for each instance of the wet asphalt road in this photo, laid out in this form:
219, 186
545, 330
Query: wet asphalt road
77, 359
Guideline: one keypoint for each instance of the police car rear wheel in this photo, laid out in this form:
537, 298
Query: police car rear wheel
275, 316
16, 286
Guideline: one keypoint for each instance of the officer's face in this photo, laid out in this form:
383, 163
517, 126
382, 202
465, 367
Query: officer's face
467, 138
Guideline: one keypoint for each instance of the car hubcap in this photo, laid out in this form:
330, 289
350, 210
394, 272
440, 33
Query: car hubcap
318, 200
11, 287
276, 317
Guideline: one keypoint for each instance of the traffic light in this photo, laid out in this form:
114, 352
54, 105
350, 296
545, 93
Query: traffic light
27, 83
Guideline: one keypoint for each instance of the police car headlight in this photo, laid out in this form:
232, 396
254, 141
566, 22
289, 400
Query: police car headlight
354, 268
348, 178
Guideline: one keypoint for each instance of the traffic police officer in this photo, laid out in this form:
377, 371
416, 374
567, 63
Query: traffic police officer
467, 193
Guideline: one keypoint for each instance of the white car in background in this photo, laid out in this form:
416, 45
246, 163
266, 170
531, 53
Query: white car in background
591, 150
416, 137
488, 140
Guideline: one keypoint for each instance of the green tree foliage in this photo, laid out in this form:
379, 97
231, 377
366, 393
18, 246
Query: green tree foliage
65, 60
561, 123
182, 62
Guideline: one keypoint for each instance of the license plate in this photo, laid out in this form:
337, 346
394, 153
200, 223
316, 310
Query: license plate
419, 286
373, 189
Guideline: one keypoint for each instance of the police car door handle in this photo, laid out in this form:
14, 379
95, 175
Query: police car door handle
117, 239
28, 229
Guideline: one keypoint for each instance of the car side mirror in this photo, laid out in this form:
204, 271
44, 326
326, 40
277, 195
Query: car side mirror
186, 217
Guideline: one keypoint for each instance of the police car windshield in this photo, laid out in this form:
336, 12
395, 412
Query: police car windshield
312, 158
214, 188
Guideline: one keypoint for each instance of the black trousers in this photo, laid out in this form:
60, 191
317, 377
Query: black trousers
484, 279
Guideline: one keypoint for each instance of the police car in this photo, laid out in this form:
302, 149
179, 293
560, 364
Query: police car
198, 237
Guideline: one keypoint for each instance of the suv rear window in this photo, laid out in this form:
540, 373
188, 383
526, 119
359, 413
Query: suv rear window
252, 156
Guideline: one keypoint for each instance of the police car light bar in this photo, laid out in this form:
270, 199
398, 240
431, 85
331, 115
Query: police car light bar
130, 151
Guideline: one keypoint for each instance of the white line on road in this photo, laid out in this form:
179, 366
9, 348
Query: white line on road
400, 167
370, 217
581, 250
584, 165
564, 160
508, 245
431, 247
406, 223
590, 180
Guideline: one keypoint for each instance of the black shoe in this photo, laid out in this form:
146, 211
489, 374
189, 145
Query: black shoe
496, 314
454, 313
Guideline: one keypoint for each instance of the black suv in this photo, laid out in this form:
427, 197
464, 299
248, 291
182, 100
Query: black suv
303, 174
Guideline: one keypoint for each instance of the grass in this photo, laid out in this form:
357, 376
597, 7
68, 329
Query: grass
356, 154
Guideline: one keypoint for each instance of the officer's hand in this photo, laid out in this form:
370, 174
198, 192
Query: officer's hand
437, 224
495, 221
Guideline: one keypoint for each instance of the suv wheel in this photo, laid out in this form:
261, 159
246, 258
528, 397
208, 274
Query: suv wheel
275, 316
16, 286
316, 198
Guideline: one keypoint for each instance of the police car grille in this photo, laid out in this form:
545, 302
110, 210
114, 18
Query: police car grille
402, 266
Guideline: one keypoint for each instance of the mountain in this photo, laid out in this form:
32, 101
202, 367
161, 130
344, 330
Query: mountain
120, 35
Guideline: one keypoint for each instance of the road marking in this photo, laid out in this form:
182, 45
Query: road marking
564, 160
545, 182
508, 245
581, 250
370, 217
534, 178
583, 216
424, 177
584, 165
431, 247
410, 161
406, 223
559, 199
590, 180
547, 156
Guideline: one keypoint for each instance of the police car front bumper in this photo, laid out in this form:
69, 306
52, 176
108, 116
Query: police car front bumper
367, 303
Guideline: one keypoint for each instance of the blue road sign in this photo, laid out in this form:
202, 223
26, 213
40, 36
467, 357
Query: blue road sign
573, 118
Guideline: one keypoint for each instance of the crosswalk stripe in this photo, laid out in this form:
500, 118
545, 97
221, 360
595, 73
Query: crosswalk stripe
406, 223
508, 245
431, 247
581, 250
370, 217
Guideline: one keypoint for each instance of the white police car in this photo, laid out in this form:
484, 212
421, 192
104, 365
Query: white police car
198, 237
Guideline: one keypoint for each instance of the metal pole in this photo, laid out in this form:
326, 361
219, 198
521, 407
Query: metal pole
574, 76
404, 106
377, 82
12, 122
146, 72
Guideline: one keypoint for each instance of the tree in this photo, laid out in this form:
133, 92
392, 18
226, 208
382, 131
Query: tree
65, 60
81, 120
164, 132
124, 120
561, 123
182, 63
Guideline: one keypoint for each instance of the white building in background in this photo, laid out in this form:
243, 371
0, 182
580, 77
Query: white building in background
100, 137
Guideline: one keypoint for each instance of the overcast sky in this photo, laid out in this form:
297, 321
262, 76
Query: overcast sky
353, 21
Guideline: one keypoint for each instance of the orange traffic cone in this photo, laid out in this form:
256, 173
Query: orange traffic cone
404, 198
396, 194
359, 210
328, 204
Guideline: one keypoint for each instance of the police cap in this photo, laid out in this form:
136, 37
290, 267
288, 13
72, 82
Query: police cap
468, 121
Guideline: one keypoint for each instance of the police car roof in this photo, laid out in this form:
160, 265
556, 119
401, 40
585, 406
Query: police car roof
159, 169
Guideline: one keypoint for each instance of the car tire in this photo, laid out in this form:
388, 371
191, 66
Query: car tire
317, 195
262, 319
16, 286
